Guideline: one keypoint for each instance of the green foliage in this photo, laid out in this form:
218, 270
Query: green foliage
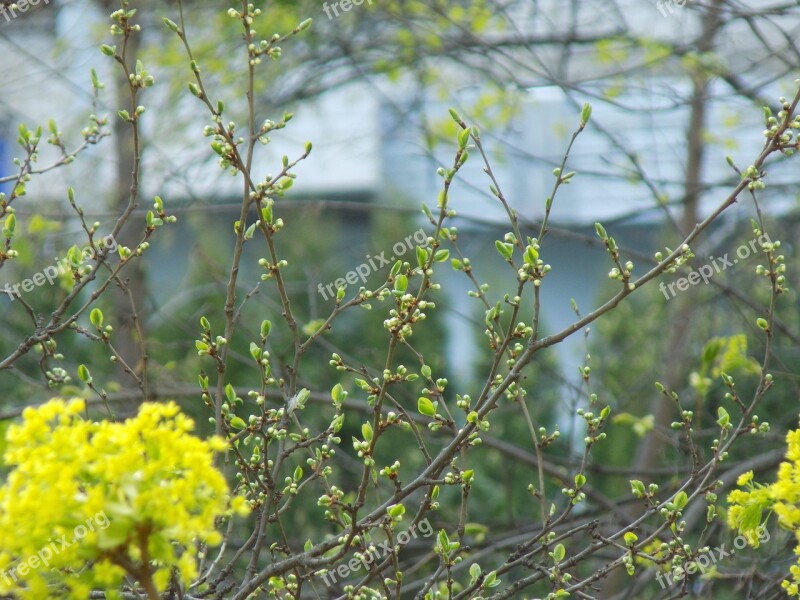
122, 496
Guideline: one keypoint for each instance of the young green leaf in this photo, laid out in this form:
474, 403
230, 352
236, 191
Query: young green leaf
637, 488
366, 432
401, 283
84, 375
426, 407
96, 317
505, 250
559, 552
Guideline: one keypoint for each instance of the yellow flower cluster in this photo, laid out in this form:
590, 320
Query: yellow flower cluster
153, 482
781, 497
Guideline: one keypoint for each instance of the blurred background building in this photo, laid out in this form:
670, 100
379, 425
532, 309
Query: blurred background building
370, 152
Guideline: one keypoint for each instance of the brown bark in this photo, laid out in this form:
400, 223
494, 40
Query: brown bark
127, 300
653, 445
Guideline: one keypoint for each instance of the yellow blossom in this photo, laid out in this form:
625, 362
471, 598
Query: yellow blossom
106, 494
782, 497
744, 478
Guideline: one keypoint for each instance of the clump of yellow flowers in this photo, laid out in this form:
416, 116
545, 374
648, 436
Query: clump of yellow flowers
781, 497
153, 483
